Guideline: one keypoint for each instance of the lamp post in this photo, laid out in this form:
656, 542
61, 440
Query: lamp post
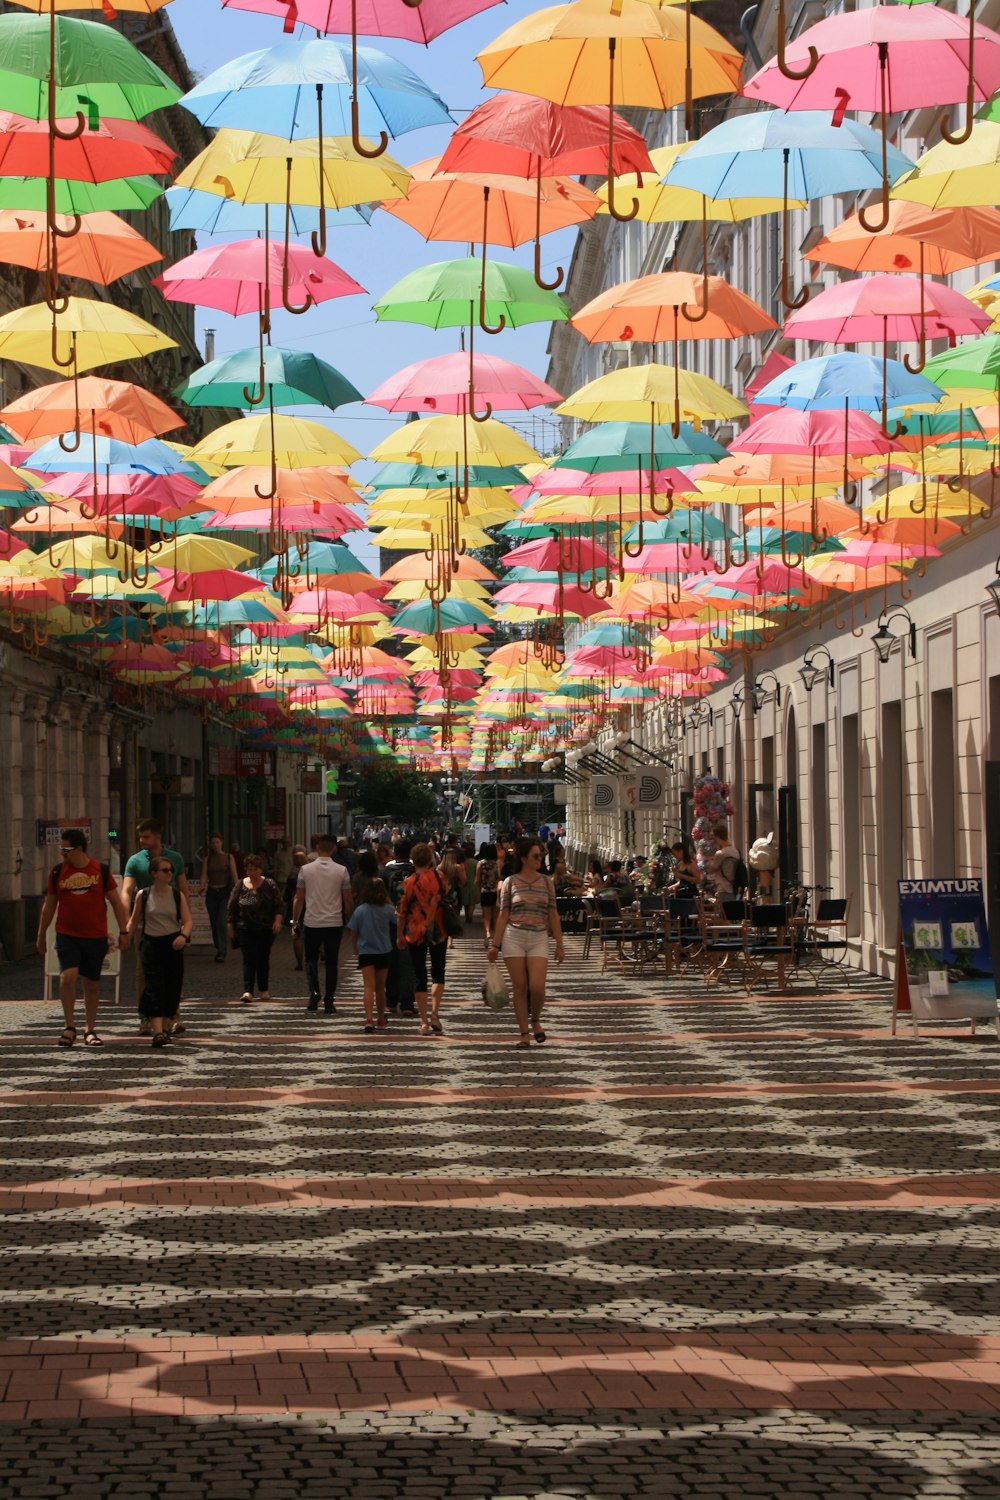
884, 639
810, 673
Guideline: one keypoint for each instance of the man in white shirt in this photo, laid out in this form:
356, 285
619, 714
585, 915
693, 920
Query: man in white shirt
724, 862
322, 907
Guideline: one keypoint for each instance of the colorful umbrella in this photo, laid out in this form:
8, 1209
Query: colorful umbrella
449, 383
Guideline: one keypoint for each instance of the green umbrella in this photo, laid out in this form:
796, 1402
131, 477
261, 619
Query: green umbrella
97, 70
117, 196
971, 366
296, 378
445, 294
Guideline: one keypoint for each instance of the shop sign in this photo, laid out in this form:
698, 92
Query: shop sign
274, 830
944, 968
50, 831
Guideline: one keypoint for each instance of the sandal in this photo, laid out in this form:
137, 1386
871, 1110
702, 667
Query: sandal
539, 1036
91, 1039
68, 1037
425, 1031
161, 1038
245, 999
525, 1039
436, 1027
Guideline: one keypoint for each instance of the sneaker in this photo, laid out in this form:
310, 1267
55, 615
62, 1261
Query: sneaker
369, 1029
313, 1003
177, 1028
382, 1024
329, 1009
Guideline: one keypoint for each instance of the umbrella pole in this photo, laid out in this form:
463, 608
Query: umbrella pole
289, 306
961, 136
546, 286
270, 494
691, 311
790, 302
675, 426
876, 227
248, 395
783, 67
850, 490
383, 141
897, 426
916, 365
472, 378
319, 240
486, 327
612, 207
72, 447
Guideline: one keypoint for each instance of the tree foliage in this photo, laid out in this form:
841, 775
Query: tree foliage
397, 792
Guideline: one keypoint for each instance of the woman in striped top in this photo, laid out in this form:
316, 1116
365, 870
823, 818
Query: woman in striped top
526, 919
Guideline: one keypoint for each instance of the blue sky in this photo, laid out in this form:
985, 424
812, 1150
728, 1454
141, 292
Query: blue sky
345, 331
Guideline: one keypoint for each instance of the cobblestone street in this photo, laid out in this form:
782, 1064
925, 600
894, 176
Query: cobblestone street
697, 1244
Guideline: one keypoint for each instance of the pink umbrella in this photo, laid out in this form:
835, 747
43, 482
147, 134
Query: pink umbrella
549, 599
156, 490
881, 309
237, 278
320, 520
823, 434
883, 59
373, 17
668, 557
569, 555
214, 583
450, 384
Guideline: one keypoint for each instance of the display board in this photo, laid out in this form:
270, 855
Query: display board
944, 968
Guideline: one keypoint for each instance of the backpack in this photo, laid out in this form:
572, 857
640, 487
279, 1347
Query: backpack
397, 878
450, 910
57, 870
735, 871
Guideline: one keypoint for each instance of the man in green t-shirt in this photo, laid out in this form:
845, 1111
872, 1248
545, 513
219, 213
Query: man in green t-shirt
136, 877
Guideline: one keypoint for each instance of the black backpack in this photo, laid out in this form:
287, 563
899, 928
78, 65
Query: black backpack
735, 871
397, 878
57, 870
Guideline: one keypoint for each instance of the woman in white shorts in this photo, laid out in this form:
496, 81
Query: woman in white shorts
526, 919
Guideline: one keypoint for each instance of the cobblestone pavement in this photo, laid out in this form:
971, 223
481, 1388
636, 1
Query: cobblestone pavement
698, 1244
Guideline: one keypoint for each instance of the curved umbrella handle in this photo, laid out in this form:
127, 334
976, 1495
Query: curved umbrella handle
788, 301
612, 207
319, 239
699, 316
248, 396
916, 365
63, 364
812, 62
383, 140
75, 225
487, 327
475, 415
546, 286
870, 225
960, 137
285, 302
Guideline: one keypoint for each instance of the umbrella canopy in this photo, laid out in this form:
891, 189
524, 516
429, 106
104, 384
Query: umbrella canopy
962, 176
86, 334
293, 377
236, 278
113, 148
447, 440
639, 391
413, 23
916, 238
822, 434
519, 135
103, 249
249, 166
446, 293
91, 59
106, 408
442, 385
873, 309
854, 380
498, 210
661, 201
652, 310
290, 441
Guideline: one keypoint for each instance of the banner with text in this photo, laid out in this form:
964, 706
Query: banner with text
944, 968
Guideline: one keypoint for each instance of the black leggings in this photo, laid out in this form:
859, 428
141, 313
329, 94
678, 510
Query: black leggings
418, 958
255, 949
163, 971
327, 939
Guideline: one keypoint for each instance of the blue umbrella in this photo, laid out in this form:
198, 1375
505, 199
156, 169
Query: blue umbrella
791, 155
206, 214
108, 454
854, 380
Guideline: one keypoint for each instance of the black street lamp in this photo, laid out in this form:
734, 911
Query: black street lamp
760, 688
884, 639
810, 672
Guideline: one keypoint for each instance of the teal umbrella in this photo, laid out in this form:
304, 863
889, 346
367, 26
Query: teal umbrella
401, 476
296, 377
425, 618
626, 445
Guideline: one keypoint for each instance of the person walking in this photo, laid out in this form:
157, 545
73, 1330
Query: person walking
77, 895
487, 880
451, 872
137, 876
300, 856
161, 917
256, 915
218, 876
323, 895
371, 927
526, 919
422, 933
468, 858
399, 980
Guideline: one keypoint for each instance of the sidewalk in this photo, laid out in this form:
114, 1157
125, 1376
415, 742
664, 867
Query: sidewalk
695, 1245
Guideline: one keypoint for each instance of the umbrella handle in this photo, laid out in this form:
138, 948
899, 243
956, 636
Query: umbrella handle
788, 301
63, 364
319, 239
786, 71
248, 396
486, 327
546, 286
383, 140
612, 208
960, 137
870, 226
75, 225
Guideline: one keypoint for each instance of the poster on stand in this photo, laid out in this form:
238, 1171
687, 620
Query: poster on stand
944, 968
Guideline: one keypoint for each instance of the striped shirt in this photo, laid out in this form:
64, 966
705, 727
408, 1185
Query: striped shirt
528, 902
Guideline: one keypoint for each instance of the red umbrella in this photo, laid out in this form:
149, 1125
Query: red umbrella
113, 149
517, 135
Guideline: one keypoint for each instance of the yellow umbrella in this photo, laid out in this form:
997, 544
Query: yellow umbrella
420, 588
593, 52
662, 203
402, 540
963, 176
82, 337
448, 440
640, 391
287, 442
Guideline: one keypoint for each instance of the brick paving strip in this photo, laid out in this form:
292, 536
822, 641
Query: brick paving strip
944, 1191
43, 1379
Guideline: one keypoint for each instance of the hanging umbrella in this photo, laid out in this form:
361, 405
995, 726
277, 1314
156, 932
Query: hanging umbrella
105, 408
291, 441
206, 213
236, 278
772, 154
593, 53
443, 294
294, 377
91, 333
449, 382
855, 380
103, 249
937, 242
880, 309
965, 178
661, 201
311, 90
521, 136
885, 59
444, 441
106, 150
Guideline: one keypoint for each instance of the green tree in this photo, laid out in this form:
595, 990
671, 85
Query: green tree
396, 791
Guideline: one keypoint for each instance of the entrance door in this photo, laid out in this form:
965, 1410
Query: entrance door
993, 862
788, 834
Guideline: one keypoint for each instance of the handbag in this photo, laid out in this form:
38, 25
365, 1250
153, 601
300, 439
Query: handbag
453, 924
495, 991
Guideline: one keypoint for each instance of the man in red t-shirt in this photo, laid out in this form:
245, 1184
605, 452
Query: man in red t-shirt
77, 895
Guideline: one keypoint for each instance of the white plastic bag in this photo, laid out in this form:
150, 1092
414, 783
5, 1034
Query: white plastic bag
495, 991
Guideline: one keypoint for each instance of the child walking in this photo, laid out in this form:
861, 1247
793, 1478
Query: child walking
369, 926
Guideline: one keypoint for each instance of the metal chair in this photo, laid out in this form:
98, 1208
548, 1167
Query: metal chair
768, 937
723, 941
823, 944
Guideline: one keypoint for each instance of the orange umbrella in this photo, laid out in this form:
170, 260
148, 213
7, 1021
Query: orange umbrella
653, 599
937, 241
496, 210
821, 516
92, 404
419, 566
104, 249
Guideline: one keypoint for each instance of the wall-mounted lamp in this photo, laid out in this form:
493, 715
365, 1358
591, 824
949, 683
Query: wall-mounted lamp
759, 690
883, 638
810, 672
736, 702
622, 739
993, 589
700, 714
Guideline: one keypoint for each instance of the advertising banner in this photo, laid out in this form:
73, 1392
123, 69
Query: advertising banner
944, 968
603, 793
645, 791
